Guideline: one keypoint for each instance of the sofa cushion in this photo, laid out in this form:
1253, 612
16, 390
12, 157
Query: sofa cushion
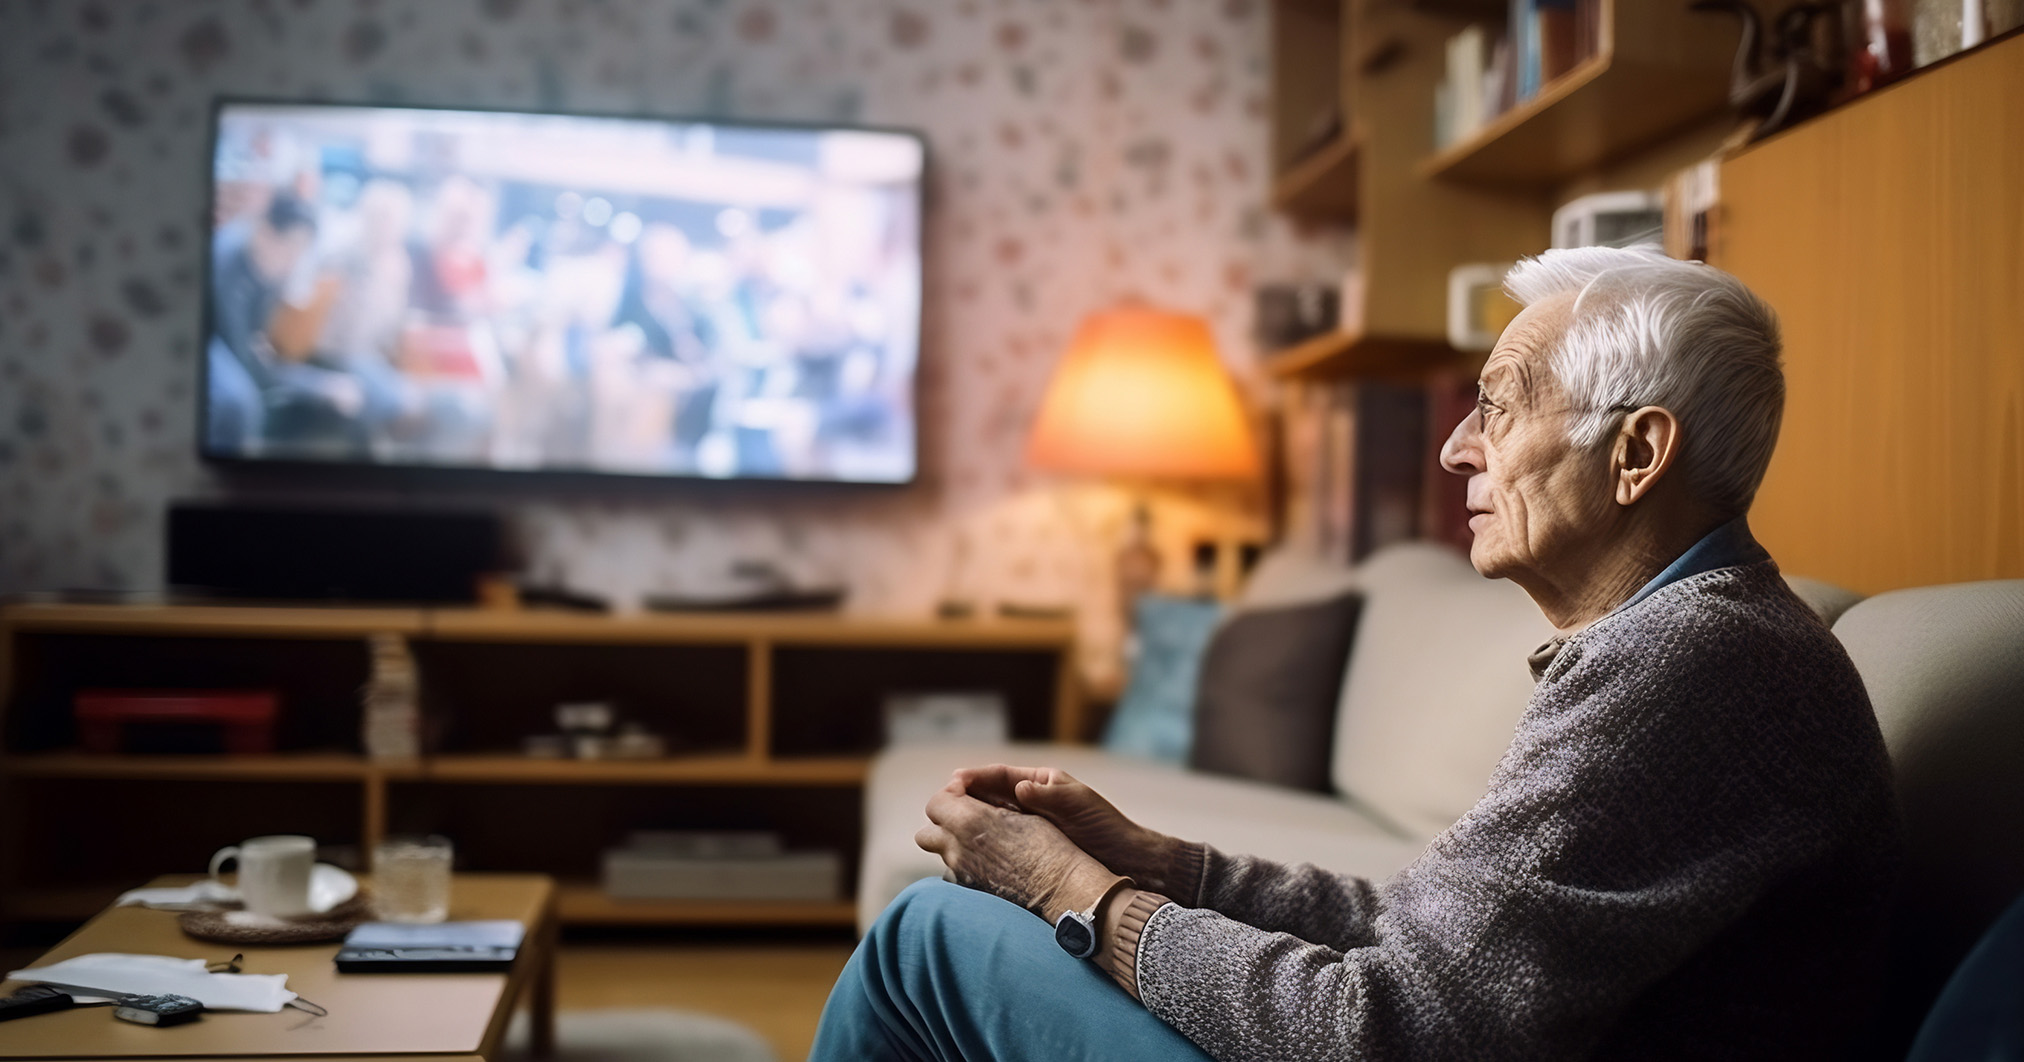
1293, 575
1944, 666
1265, 702
1155, 718
1827, 600
1436, 683
1234, 815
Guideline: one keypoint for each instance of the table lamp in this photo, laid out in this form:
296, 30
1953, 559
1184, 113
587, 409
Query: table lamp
1141, 394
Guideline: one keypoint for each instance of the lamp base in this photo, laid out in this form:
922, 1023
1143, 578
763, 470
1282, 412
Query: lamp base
1138, 564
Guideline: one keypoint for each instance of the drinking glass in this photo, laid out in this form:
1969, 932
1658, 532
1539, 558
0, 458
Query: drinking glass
411, 879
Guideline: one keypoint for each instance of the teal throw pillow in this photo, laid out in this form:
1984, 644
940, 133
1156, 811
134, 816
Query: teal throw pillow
1155, 718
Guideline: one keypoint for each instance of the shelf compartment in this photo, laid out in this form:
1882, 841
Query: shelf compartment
316, 678
1313, 179
1661, 68
1321, 186
584, 903
566, 830
830, 700
677, 770
487, 696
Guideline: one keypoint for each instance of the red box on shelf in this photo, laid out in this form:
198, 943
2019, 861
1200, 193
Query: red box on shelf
246, 717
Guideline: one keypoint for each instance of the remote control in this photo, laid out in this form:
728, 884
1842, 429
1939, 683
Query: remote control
158, 1010
35, 999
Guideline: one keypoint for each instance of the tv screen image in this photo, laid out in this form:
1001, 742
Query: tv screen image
471, 289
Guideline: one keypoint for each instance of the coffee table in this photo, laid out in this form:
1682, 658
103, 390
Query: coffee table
377, 1016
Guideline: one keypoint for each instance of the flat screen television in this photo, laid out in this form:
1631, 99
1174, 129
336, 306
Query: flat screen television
416, 287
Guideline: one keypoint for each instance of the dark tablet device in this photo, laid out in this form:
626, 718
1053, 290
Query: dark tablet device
446, 947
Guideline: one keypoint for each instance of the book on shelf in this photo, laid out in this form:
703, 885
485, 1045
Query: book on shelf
1492, 69
1463, 88
1554, 22
1361, 449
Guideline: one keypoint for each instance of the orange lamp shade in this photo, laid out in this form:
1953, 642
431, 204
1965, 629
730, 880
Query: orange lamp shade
1142, 393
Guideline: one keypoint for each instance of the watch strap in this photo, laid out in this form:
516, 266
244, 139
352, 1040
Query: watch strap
1089, 923
1121, 956
1095, 911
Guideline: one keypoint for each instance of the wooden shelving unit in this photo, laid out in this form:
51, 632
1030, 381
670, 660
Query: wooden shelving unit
773, 684
1320, 186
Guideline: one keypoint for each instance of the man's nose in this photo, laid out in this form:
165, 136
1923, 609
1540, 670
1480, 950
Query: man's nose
1462, 454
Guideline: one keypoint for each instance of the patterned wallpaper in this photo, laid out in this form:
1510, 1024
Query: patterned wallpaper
1083, 151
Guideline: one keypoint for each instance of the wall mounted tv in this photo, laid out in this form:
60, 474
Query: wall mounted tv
411, 287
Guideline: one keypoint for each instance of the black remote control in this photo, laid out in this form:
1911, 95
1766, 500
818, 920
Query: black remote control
161, 1011
33, 1000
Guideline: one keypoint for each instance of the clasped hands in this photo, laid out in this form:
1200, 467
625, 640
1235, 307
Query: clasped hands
1039, 838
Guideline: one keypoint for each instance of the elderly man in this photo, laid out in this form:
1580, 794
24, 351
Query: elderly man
1684, 853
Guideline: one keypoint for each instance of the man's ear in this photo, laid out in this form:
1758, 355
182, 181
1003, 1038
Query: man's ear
1647, 447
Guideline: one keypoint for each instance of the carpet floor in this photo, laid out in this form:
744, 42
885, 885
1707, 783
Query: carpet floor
644, 1034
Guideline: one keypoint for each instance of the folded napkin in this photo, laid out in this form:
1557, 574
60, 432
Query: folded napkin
208, 892
150, 975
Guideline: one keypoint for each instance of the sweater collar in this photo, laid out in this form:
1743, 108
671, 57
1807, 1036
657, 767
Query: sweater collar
1727, 546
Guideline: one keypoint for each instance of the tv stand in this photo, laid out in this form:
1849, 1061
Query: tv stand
773, 719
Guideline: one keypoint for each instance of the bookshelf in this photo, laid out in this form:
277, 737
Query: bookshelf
1657, 69
1385, 60
781, 713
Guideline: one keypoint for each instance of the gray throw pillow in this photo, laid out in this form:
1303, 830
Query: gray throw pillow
1265, 702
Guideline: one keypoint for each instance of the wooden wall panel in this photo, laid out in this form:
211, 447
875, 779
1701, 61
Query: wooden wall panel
1890, 237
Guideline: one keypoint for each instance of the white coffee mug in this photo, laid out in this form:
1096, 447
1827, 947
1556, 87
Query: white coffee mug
273, 873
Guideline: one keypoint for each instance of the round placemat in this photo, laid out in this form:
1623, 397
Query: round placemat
239, 927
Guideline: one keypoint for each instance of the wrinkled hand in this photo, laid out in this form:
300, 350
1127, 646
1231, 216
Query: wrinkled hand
1024, 858
1090, 822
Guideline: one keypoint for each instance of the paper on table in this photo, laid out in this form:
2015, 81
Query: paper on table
150, 975
206, 893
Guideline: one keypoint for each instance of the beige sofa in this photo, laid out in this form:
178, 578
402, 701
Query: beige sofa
1435, 682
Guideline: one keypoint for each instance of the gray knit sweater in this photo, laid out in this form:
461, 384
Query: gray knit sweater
1685, 853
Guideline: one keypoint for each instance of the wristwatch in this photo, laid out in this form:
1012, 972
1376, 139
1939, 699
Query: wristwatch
1075, 931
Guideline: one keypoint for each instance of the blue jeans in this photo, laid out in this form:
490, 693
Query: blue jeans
1980, 1014
951, 973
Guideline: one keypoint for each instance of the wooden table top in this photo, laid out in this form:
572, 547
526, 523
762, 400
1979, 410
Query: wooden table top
370, 1014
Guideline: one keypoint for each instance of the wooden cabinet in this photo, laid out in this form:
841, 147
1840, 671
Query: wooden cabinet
773, 721
1889, 234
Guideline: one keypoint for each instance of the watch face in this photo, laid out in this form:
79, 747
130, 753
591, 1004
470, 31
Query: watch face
1075, 936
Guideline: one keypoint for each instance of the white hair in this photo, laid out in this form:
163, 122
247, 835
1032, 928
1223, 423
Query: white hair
1648, 330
